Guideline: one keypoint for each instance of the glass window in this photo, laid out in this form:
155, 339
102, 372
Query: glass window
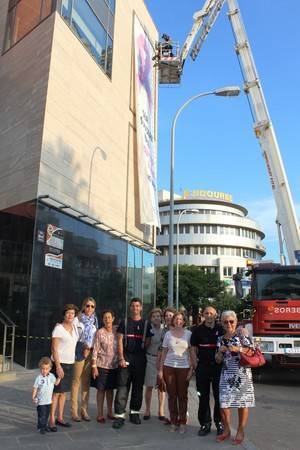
181, 229
188, 250
181, 250
214, 229
23, 16
196, 250
201, 229
196, 229
238, 252
202, 250
93, 23
207, 229
187, 229
214, 250
208, 250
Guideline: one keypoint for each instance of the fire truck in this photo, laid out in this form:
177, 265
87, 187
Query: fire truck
274, 299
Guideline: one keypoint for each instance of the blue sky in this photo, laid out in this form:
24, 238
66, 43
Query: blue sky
216, 148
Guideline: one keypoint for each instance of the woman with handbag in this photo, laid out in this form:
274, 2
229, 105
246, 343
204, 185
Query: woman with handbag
87, 324
236, 386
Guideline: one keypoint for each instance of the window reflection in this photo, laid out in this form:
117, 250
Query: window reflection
23, 16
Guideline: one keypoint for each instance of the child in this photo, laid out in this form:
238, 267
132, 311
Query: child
42, 393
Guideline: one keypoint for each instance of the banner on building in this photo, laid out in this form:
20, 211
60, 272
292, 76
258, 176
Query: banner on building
145, 119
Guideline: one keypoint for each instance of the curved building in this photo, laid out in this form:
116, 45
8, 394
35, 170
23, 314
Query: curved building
213, 232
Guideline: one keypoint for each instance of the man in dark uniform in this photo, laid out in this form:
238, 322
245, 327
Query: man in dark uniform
204, 343
133, 338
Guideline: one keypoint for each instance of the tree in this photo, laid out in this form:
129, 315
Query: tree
197, 289
195, 286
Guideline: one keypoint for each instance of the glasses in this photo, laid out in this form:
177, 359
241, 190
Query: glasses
90, 306
226, 322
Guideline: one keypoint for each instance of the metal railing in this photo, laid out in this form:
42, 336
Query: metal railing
7, 343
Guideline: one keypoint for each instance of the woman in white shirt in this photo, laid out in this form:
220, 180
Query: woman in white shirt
87, 324
64, 339
176, 367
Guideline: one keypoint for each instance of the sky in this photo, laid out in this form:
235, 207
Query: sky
216, 148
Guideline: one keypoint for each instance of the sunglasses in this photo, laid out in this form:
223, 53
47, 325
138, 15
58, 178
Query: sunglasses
228, 321
90, 306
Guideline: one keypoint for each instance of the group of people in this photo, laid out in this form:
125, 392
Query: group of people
160, 352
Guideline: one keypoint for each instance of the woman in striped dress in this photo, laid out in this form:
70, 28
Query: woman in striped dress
236, 386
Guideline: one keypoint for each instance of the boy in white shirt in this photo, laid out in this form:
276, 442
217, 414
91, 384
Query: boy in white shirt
42, 393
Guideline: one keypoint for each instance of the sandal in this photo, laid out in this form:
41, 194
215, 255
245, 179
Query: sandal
101, 419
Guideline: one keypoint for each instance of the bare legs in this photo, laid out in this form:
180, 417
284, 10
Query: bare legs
58, 402
243, 419
148, 398
100, 402
243, 414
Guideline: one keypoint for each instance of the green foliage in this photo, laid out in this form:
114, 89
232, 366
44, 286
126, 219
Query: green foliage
197, 289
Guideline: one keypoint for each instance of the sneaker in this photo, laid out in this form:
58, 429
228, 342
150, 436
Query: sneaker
220, 428
42, 431
118, 423
204, 429
135, 418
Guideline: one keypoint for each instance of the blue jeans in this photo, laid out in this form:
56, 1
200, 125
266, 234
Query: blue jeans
43, 412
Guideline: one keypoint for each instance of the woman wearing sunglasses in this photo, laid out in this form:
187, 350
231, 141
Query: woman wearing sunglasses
236, 386
87, 325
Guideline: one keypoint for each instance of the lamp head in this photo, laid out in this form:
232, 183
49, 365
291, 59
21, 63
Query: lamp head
228, 91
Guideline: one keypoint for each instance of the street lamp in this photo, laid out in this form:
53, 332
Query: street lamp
227, 91
191, 210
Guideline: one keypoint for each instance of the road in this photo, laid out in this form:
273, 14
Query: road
273, 424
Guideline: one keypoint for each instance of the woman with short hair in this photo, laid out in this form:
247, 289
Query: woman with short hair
176, 367
87, 325
105, 365
236, 386
64, 339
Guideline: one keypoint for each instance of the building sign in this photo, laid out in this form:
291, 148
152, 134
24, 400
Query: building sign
211, 195
54, 247
145, 117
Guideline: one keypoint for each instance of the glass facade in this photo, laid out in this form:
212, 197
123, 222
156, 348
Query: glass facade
49, 258
93, 23
23, 16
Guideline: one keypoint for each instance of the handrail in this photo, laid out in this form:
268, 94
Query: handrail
8, 342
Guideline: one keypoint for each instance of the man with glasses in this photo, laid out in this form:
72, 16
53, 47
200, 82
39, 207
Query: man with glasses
133, 338
204, 343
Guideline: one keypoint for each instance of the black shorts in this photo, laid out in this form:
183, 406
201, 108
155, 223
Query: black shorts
106, 380
66, 382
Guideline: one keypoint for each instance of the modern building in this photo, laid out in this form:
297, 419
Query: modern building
70, 205
213, 232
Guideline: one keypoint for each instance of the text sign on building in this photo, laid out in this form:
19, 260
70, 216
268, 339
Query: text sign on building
145, 119
54, 247
211, 195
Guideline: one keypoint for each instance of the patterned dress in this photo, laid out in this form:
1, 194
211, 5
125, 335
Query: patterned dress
236, 386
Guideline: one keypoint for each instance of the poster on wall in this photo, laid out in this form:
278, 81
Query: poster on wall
145, 119
54, 247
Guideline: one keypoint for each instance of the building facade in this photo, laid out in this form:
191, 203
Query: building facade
212, 232
70, 221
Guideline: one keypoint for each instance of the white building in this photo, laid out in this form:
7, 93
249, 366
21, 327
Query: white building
214, 232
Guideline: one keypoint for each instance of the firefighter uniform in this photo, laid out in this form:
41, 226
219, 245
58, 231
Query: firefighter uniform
208, 373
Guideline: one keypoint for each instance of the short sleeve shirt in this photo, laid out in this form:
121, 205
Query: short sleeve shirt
44, 386
177, 355
66, 343
205, 339
134, 334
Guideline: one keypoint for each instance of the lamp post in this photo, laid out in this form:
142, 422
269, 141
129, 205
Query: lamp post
191, 210
228, 91
104, 157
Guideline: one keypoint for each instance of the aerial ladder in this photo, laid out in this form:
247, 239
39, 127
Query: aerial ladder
204, 19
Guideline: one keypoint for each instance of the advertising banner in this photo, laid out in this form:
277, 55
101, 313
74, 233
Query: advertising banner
145, 119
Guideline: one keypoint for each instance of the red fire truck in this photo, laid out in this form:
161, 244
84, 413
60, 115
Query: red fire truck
273, 307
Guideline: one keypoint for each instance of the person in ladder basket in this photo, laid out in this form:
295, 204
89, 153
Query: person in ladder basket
133, 338
204, 343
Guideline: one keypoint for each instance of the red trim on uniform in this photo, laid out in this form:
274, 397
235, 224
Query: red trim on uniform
208, 345
135, 336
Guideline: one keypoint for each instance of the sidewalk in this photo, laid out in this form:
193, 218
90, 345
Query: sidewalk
18, 426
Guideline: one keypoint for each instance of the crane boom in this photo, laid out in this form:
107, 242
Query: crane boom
264, 131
